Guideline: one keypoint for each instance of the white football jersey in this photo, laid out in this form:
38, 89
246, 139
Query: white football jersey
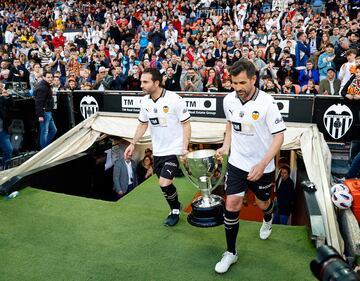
253, 125
165, 117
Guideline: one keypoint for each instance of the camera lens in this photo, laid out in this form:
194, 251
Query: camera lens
329, 265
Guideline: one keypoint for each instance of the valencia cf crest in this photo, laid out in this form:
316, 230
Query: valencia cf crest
166, 109
255, 115
88, 106
338, 119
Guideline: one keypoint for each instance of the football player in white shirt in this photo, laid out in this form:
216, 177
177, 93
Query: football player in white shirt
169, 121
255, 133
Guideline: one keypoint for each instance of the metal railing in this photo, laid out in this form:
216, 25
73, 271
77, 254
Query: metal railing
207, 12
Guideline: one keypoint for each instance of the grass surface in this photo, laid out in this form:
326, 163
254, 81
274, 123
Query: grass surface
50, 236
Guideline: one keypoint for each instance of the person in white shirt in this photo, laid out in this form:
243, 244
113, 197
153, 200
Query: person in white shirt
348, 68
171, 35
9, 36
255, 132
166, 114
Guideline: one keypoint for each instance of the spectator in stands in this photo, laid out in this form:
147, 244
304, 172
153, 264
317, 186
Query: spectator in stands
348, 68
326, 61
18, 72
325, 40
212, 82
171, 35
133, 82
351, 89
330, 85
119, 81
58, 63
124, 175
302, 50
35, 75
271, 87
272, 55
73, 62
5, 143
103, 79
72, 84
308, 73
5, 78
354, 40
213, 51
334, 38
314, 42
33, 53
340, 53
192, 81
287, 69
227, 86
199, 66
258, 60
171, 82
58, 40
144, 169
288, 88
44, 104
156, 35
269, 70
310, 88
45, 54
56, 87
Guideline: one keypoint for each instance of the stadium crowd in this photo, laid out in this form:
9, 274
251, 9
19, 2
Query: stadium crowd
302, 46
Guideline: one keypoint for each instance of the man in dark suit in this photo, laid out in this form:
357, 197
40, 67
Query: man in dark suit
285, 195
330, 85
124, 175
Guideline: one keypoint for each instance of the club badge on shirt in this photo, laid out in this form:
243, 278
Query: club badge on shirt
166, 109
255, 115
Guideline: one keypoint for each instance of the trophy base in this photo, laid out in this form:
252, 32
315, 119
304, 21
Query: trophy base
207, 216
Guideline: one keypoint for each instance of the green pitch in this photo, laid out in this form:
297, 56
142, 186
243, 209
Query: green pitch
49, 236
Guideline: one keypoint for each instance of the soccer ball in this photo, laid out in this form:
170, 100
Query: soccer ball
342, 199
339, 187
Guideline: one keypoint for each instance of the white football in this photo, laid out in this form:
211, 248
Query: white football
342, 199
339, 187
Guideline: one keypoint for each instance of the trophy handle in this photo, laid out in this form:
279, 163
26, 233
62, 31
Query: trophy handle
223, 171
192, 179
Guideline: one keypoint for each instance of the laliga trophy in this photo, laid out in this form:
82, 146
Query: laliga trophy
200, 165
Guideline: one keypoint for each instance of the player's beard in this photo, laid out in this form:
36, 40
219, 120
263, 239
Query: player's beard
151, 91
243, 94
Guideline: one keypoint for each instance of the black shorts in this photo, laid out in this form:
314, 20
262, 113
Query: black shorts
236, 182
166, 166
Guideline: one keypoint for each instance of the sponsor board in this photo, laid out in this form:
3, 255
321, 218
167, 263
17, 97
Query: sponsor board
131, 104
201, 106
283, 106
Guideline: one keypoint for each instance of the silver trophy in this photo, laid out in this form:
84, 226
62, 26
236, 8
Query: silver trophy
199, 168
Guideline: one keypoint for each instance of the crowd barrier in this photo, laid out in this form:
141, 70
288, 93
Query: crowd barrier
337, 118
207, 12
